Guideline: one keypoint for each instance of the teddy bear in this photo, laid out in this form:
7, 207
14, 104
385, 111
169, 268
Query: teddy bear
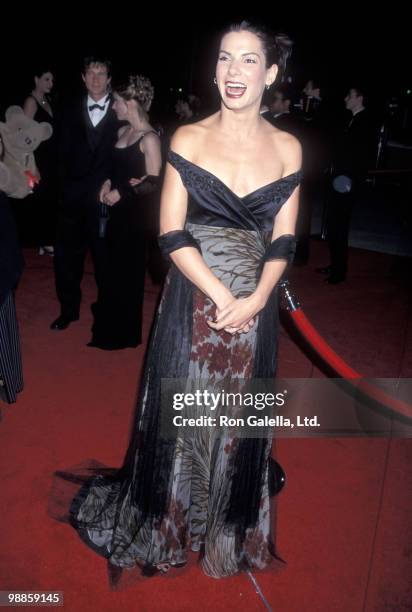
20, 136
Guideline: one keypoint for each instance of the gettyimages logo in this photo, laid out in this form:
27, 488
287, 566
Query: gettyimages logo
213, 400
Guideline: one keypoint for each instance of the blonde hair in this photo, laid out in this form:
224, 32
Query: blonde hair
138, 88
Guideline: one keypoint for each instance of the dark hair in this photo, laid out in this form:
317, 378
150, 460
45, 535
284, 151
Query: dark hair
97, 59
360, 91
276, 47
42, 69
359, 88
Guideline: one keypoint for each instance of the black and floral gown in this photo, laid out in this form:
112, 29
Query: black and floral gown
205, 492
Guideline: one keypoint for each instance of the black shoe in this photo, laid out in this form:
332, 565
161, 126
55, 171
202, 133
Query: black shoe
62, 322
323, 270
333, 279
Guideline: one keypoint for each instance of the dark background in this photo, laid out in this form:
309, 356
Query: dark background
176, 48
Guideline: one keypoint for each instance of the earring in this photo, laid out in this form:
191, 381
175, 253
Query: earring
215, 81
268, 86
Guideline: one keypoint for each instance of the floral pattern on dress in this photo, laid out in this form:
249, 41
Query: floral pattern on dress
200, 485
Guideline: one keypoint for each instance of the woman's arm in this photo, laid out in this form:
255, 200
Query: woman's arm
147, 184
29, 107
285, 224
152, 155
173, 210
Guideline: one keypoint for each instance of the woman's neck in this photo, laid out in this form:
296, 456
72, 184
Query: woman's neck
239, 124
137, 125
40, 96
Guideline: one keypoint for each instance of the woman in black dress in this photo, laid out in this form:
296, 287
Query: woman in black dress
131, 188
43, 202
228, 215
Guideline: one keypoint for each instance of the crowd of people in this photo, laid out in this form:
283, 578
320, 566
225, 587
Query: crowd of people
94, 141
228, 192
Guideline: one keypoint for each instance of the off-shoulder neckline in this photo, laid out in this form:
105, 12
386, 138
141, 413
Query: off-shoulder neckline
216, 178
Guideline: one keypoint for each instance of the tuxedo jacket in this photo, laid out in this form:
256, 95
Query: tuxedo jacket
85, 153
356, 147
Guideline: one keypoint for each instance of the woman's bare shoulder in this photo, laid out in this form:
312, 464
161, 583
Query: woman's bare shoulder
30, 104
151, 137
288, 148
30, 100
188, 138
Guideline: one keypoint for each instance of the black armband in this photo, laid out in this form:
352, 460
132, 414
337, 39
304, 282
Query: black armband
176, 239
151, 184
283, 248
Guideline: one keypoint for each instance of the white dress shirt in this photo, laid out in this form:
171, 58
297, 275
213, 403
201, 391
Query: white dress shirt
96, 115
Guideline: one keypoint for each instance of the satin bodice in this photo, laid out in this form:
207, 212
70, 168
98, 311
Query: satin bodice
212, 202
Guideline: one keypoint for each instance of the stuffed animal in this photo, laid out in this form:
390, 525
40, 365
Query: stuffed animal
20, 137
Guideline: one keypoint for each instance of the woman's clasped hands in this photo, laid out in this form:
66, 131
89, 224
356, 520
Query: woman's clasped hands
237, 316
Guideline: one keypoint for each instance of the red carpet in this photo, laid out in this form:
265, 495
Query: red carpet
344, 518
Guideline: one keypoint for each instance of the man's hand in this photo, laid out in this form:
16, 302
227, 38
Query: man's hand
106, 187
112, 197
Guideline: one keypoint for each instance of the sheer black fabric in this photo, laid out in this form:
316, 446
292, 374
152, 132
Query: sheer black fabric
145, 473
150, 185
283, 248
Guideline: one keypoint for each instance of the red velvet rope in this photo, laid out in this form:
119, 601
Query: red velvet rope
341, 367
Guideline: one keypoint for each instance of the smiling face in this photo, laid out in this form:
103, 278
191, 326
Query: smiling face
241, 71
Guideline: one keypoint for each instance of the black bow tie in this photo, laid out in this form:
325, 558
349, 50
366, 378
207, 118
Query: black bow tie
93, 106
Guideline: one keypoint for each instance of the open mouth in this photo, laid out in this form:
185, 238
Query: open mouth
234, 90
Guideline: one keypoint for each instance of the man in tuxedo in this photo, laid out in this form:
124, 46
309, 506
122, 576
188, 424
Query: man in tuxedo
353, 156
322, 122
88, 135
312, 99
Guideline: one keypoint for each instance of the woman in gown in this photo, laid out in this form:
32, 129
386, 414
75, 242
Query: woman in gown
43, 202
228, 214
131, 188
